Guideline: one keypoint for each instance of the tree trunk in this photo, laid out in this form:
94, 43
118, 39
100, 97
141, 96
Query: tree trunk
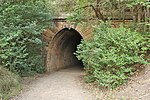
147, 19
98, 12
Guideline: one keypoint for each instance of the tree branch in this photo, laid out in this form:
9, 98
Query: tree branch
97, 12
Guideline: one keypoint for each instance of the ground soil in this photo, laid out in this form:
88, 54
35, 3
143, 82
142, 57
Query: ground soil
68, 84
60, 85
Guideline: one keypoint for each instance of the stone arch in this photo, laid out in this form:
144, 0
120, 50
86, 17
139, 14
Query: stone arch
61, 48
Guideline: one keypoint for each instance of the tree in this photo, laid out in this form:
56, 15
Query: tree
105, 9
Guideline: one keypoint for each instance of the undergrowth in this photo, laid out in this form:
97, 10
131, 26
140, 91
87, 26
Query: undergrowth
9, 84
21, 25
110, 55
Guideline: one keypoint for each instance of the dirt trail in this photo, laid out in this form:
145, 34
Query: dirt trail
61, 85
67, 85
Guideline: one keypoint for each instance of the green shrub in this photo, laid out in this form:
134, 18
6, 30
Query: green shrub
109, 56
9, 84
21, 25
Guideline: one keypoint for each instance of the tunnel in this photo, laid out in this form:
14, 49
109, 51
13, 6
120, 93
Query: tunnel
62, 48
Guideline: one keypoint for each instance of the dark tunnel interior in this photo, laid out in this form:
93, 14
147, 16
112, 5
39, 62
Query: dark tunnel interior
64, 45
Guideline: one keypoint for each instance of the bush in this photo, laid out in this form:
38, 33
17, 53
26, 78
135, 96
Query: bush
9, 84
109, 56
22, 23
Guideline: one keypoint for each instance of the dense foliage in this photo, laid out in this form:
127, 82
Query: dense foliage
21, 25
110, 55
85, 10
63, 6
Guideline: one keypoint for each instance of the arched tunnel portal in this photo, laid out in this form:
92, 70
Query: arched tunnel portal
61, 49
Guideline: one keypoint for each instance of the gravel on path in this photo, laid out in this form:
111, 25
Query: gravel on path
60, 85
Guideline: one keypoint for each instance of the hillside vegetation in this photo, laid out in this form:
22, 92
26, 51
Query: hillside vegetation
21, 25
109, 57
9, 84
113, 51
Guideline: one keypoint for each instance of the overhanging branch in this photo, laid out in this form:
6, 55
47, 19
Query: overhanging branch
97, 12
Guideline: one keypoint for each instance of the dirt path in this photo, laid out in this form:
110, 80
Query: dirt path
67, 85
61, 85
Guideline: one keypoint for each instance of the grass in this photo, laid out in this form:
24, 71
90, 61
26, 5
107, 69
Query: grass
9, 84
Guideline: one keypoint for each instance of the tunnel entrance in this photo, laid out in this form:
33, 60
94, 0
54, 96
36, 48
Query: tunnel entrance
61, 50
